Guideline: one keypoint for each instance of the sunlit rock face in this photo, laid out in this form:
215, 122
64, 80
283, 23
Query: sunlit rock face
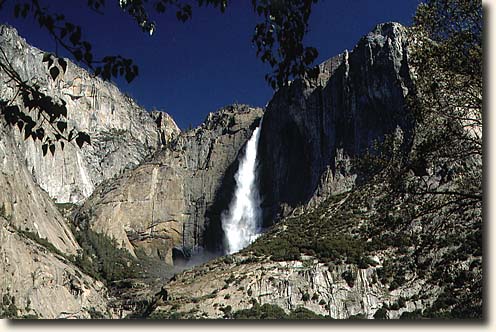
313, 128
175, 200
38, 278
23, 204
288, 285
46, 285
122, 133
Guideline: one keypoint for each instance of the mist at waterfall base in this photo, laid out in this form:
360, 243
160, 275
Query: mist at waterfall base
241, 222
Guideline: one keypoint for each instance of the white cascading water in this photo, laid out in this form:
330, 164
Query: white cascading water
241, 221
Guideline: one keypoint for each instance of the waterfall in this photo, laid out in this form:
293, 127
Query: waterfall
241, 221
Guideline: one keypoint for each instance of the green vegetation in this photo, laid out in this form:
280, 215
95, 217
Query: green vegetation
227, 311
112, 135
100, 256
416, 314
94, 314
266, 311
41, 241
161, 315
313, 233
272, 311
304, 313
102, 259
9, 309
381, 313
358, 316
65, 208
349, 277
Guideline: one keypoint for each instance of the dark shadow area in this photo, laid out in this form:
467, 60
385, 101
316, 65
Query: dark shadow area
214, 234
311, 130
488, 104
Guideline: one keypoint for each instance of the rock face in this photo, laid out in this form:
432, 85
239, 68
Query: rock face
289, 285
176, 198
362, 254
312, 129
37, 278
374, 250
122, 133
36, 275
23, 203
45, 285
310, 132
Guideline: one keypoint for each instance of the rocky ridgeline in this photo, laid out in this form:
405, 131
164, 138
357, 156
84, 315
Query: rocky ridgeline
289, 285
122, 133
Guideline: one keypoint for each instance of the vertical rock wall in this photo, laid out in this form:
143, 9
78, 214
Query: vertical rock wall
313, 128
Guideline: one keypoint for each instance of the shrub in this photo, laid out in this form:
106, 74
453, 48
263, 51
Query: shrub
266, 311
349, 278
41, 241
358, 316
227, 311
8, 308
380, 313
304, 313
102, 259
416, 314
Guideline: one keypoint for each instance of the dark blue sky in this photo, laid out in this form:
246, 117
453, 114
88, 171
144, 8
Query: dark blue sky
190, 69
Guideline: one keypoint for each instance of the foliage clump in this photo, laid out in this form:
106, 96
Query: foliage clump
272, 311
102, 259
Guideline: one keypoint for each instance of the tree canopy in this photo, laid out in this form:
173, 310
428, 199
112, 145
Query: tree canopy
447, 57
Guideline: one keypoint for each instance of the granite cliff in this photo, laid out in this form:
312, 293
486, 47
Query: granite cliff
311, 131
347, 242
315, 127
338, 243
38, 246
37, 278
123, 134
175, 199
